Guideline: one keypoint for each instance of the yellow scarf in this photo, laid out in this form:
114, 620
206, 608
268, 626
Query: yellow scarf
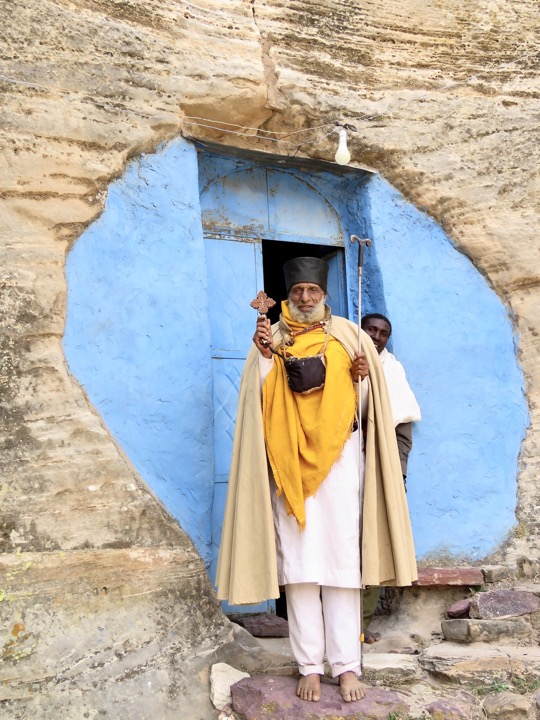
305, 433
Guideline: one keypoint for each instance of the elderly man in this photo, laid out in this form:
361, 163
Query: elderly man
293, 514
405, 411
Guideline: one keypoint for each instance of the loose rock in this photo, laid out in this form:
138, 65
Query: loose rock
263, 625
459, 609
448, 710
222, 676
506, 706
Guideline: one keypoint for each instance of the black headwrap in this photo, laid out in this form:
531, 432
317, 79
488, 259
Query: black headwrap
306, 269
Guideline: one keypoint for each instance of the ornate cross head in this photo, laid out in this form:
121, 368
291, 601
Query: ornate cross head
262, 303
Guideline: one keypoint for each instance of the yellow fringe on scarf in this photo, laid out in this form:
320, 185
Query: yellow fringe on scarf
305, 433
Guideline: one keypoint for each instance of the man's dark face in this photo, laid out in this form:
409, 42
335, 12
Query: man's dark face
379, 331
306, 295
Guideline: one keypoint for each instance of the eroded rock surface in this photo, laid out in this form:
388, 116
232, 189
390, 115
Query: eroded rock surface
446, 99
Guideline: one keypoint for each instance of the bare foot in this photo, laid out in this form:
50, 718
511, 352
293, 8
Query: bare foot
309, 687
350, 686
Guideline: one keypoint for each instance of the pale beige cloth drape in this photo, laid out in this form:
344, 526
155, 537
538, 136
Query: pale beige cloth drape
247, 568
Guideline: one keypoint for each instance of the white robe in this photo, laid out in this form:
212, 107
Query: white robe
404, 406
327, 551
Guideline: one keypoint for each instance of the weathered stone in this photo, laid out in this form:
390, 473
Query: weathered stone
496, 573
503, 604
469, 576
274, 698
537, 703
222, 676
480, 664
390, 669
263, 625
448, 710
252, 656
507, 706
101, 82
503, 632
459, 609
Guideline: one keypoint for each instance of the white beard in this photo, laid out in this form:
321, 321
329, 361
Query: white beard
314, 316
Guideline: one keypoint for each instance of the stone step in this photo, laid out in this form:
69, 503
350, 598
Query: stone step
274, 698
504, 603
444, 577
480, 664
510, 631
390, 669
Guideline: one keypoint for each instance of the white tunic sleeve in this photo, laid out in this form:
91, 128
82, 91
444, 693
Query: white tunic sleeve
265, 365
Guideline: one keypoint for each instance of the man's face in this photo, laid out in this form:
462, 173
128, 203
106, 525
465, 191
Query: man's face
379, 331
305, 296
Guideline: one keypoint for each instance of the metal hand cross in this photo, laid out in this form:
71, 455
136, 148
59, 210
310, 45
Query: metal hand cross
262, 303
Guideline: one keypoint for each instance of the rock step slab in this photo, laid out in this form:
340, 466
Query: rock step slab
480, 664
274, 698
502, 632
390, 668
503, 604
498, 573
437, 577
262, 625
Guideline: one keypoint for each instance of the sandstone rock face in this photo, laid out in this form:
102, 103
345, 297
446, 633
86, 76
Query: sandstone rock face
445, 99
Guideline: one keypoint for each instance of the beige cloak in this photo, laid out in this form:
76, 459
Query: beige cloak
247, 567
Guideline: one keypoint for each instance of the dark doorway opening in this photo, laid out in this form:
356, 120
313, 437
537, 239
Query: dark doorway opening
275, 255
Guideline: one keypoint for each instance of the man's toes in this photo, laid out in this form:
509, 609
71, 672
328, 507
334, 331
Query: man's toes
309, 688
351, 687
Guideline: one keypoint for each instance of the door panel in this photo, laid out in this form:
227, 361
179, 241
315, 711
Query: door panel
226, 376
297, 212
336, 283
234, 277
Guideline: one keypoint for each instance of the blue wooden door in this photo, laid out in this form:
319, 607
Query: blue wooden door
337, 292
235, 275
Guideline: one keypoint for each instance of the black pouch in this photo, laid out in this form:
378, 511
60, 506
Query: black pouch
306, 374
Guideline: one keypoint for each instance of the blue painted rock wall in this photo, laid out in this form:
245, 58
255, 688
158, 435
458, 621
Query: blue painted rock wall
455, 339
137, 337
